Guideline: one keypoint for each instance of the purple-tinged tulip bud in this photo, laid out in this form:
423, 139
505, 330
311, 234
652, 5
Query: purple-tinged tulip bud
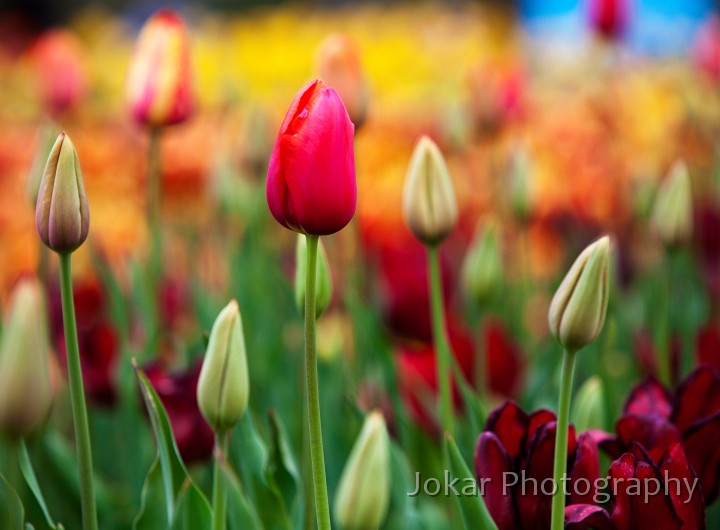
62, 216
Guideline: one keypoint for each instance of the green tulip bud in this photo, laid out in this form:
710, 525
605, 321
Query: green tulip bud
519, 177
223, 387
323, 280
589, 406
363, 494
62, 216
429, 202
577, 311
482, 272
672, 214
26, 392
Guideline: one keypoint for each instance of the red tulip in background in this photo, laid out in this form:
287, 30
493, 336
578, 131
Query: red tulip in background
177, 391
706, 48
608, 17
97, 338
159, 86
519, 443
311, 185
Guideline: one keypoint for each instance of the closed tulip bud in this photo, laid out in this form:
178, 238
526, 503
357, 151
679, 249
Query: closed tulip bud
589, 406
520, 184
26, 389
62, 216
311, 185
577, 311
363, 494
672, 214
482, 272
429, 202
223, 387
323, 279
159, 84
338, 65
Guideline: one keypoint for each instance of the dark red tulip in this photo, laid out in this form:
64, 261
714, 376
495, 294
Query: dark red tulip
708, 346
97, 339
177, 391
649, 492
521, 444
658, 420
311, 185
647, 356
706, 234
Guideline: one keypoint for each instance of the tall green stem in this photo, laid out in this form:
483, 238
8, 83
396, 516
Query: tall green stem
219, 495
77, 397
561, 441
442, 345
664, 325
154, 203
322, 508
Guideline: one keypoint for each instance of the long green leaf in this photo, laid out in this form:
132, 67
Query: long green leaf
240, 513
152, 514
473, 509
13, 515
29, 474
192, 510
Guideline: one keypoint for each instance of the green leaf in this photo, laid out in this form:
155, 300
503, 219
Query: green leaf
249, 455
173, 469
473, 509
13, 516
29, 474
240, 513
192, 510
152, 514
282, 464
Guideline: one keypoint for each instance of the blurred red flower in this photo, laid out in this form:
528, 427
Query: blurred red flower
608, 17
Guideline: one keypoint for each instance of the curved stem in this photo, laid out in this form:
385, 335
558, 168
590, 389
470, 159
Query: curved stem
322, 508
561, 442
77, 398
442, 346
219, 495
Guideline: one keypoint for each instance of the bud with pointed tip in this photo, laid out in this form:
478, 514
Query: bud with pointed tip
589, 406
323, 279
672, 214
26, 389
363, 494
482, 272
429, 202
520, 192
577, 311
223, 387
159, 85
62, 216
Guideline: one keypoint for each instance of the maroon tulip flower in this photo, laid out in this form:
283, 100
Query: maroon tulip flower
647, 493
311, 185
517, 445
177, 391
658, 420
97, 339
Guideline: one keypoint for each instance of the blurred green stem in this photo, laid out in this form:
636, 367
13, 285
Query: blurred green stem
442, 346
154, 202
561, 441
664, 336
77, 397
322, 507
219, 495
480, 366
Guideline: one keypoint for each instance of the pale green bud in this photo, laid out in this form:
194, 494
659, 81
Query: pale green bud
520, 184
363, 494
26, 391
62, 216
429, 202
482, 271
672, 214
323, 279
223, 388
577, 311
589, 406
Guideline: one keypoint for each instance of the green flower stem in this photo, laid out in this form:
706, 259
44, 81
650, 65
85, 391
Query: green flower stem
77, 397
561, 441
322, 508
154, 203
219, 494
480, 365
442, 346
664, 326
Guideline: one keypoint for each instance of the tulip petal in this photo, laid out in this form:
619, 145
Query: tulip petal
586, 466
534, 503
650, 431
587, 517
691, 510
510, 424
649, 397
701, 443
698, 396
492, 462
